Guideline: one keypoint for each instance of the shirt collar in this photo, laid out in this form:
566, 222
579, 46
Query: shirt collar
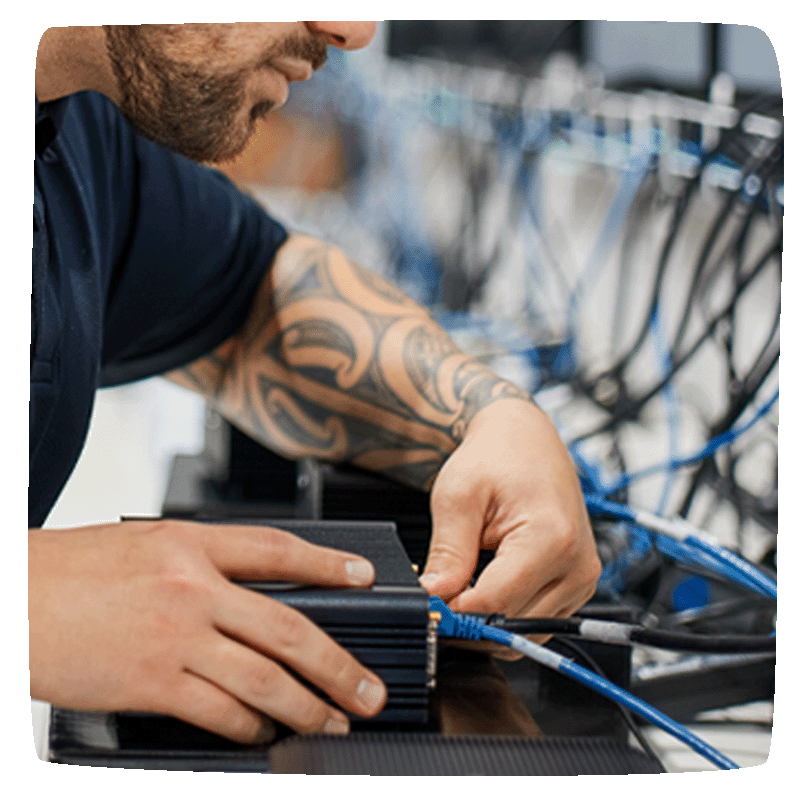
49, 117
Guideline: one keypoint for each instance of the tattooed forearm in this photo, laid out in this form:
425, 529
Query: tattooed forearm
336, 363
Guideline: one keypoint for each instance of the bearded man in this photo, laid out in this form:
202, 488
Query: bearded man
146, 262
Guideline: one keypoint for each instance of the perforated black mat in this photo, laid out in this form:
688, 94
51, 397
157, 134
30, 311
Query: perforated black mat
150, 742
433, 754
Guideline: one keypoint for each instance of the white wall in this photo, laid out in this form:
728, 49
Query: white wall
135, 431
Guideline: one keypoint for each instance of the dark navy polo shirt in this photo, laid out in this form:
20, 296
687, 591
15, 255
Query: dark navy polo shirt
142, 262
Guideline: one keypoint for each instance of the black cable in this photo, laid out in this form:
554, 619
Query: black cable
634, 406
742, 398
764, 353
679, 212
728, 139
705, 269
753, 166
536, 625
739, 402
641, 210
701, 643
626, 714
743, 282
715, 613
637, 634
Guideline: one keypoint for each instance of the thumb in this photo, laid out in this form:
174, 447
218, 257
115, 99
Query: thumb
455, 540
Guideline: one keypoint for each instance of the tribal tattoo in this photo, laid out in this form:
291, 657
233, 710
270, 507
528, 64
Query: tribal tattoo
337, 364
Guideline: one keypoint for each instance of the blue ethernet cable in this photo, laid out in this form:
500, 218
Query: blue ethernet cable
631, 179
708, 449
688, 540
684, 535
462, 626
669, 399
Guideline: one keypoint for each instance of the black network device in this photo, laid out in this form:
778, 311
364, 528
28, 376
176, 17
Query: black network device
386, 627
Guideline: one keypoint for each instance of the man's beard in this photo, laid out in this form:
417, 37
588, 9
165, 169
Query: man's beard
198, 113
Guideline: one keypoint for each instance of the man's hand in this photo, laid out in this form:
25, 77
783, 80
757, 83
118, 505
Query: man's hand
337, 364
510, 486
141, 616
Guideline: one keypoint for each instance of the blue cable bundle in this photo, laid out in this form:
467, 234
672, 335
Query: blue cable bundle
676, 538
711, 447
684, 543
462, 626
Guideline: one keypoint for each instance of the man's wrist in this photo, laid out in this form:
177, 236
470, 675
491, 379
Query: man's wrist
481, 391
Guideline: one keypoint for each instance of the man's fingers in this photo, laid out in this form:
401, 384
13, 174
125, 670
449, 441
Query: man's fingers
510, 584
265, 686
514, 580
200, 703
507, 584
249, 552
513, 591
557, 602
458, 518
286, 635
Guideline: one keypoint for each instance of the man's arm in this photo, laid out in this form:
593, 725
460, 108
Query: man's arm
336, 363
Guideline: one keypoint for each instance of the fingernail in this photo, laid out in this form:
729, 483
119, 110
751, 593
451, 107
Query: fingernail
372, 695
337, 726
428, 579
361, 573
